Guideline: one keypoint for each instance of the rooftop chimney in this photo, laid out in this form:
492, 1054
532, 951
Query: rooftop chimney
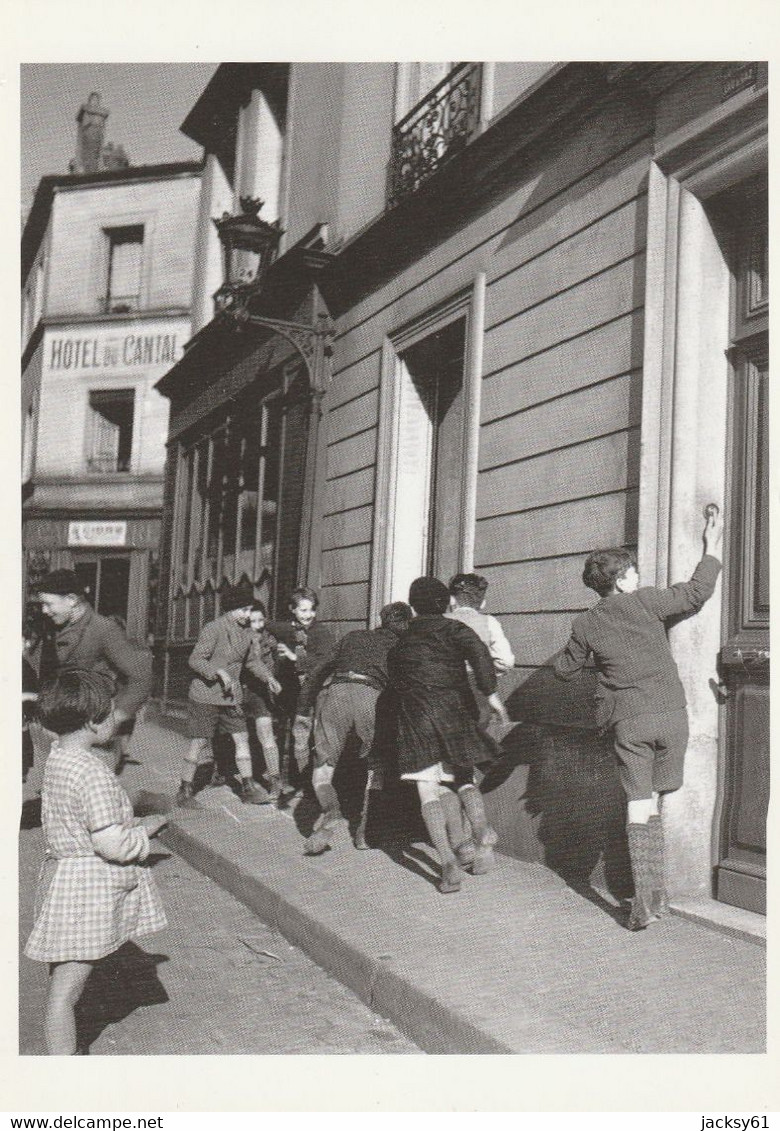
113, 157
91, 120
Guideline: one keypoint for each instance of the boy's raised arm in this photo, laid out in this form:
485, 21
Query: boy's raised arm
690, 596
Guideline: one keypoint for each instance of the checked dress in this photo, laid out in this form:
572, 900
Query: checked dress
88, 906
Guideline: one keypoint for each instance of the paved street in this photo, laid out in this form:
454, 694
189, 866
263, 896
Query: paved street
518, 961
216, 981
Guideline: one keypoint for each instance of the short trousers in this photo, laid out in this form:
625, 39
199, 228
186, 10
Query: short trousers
342, 708
255, 705
650, 751
204, 720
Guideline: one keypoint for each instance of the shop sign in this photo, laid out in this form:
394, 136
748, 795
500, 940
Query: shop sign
97, 533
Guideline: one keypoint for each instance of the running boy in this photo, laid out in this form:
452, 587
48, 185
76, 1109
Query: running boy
259, 696
92, 896
640, 696
359, 675
304, 648
224, 648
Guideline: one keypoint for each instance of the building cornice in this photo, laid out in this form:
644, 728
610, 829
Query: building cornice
84, 319
83, 495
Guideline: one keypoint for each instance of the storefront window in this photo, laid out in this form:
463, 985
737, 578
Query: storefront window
215, 499
270, 463
225, 534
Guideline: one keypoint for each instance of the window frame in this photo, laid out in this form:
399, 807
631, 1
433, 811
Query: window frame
127, 393
469, 305
113, 304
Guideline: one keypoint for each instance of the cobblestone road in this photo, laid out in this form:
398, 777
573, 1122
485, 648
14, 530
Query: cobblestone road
216, 981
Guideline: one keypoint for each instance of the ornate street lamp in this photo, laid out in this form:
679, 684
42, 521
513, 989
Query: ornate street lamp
249, 246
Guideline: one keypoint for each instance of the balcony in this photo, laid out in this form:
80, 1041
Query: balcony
434, 130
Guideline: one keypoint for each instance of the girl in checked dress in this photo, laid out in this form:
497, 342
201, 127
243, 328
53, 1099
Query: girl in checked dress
92, 896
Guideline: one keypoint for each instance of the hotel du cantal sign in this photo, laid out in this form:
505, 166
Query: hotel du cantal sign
95, 351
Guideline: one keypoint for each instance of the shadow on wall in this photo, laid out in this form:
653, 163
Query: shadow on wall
555, 797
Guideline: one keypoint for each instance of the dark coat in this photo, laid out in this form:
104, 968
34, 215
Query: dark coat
428, 713
302, 680
626, 635
97, 644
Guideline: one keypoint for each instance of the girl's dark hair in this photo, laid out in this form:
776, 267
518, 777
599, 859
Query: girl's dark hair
603, 567
72, 699
428, 596
303, 594
259, 607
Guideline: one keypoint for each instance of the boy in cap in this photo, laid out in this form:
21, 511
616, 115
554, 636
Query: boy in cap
435, 727
640, 695
82, 639
225, 646
348, 703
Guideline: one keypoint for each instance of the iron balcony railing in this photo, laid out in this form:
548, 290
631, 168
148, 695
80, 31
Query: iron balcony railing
434, 130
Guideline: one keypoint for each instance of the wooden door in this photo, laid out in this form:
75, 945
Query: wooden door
741, 870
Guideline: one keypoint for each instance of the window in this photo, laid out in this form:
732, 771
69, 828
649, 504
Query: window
227, 509
437, 127
110, 430
123, 284
414, 81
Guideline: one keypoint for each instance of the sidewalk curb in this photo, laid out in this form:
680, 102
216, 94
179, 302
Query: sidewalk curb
434, 1026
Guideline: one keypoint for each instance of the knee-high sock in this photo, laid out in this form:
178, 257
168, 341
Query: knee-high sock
453, 818
190, 763
328, 799
270, 750
433, 815
322, 781
474, 806
660, 900
639, 852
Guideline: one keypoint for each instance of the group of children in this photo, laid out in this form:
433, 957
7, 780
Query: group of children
418, 690
252, 672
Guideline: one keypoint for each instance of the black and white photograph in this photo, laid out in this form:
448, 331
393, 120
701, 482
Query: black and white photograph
394, 559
